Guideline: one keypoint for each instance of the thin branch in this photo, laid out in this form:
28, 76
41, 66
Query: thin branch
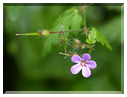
67, 31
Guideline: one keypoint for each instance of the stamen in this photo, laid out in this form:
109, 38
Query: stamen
83, 63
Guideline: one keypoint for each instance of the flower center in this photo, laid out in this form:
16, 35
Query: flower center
83, 63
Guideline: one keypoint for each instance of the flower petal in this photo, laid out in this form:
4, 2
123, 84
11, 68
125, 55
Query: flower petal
76, 59
91, 64
86, 57
86, 71
76, 68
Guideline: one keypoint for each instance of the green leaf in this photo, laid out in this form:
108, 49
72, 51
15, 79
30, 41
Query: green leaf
112, 28
91, 36
53, 38
47, 45
75, 22
65, 14
68, 11
61, 24
103, 41
94, 36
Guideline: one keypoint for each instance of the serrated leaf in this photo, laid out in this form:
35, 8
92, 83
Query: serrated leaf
68, 11
47, 44
65, 14
53, 38
91, 36
61, 24
75, 22
103, 41
87, 41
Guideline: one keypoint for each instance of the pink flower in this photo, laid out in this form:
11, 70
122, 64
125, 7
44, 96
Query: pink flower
83, 63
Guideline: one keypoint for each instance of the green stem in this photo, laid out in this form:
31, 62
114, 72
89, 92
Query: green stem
36, 33
84, 18
90, 49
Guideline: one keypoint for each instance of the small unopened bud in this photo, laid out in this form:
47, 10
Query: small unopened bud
63, 38
76, 45
66, 54
83, 46
76, 41
45, 33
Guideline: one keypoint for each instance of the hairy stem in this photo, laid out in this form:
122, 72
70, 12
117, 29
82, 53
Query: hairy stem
67, 31
90, 49
84, 18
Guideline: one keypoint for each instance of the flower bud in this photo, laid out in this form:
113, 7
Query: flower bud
76, 41
45, 33
63, 38
83, 46
76, 45
68, 54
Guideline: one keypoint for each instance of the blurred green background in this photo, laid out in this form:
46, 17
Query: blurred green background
25, 69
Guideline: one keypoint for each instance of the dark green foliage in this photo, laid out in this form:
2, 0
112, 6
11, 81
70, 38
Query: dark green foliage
70, 18
47, 45
25, 70
75, 22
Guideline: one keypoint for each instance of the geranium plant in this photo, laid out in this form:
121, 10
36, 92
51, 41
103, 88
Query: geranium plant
71, 23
